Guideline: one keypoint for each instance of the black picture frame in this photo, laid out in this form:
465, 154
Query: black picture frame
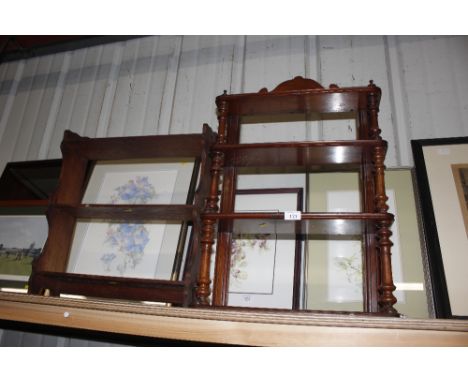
442, 304
30, 180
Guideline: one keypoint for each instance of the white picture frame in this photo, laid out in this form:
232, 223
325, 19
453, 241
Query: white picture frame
262, 272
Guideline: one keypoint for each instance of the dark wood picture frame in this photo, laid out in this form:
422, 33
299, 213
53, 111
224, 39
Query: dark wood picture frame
50, 275
427, 197
25, 188
30, 180
296, 294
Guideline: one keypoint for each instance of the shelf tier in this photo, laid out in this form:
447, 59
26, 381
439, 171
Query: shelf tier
23, 207
110, 287
24, 203
313, 156
311, 223
334, 100
142, 147
129, 212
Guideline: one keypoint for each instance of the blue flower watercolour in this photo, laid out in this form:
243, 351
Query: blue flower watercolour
128, 241
107, 259
135, 191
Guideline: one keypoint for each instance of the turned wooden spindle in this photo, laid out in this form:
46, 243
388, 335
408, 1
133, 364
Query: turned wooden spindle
386, 287
203, 290
373, 110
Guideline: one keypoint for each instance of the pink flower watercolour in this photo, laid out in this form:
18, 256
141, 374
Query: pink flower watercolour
239, 258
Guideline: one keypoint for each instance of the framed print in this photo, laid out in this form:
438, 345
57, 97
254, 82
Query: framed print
334, 269
264, 269
30, 180
159, 181
131, 248
441, 170
24, 191
22, 238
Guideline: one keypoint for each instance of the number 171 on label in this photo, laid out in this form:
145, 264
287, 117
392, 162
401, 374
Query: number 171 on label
292, 215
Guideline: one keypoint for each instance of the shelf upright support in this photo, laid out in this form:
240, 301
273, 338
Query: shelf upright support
386, 287
371, 279
208, 225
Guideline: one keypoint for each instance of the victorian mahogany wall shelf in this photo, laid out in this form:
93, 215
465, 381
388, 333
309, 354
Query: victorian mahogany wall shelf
80, 155
365, 154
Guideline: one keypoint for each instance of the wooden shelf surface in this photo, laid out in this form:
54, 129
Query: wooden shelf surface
129, 212
311, 223
112, 286
333, 100
142, 147
232, 326
311, 156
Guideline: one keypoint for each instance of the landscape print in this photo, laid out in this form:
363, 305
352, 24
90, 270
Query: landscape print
21, 241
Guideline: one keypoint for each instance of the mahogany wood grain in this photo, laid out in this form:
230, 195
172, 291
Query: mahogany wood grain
296, 96
366, 154
79, 154
129, 212
324, 156
113, 287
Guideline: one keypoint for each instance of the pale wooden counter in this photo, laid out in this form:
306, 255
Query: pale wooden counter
232, 327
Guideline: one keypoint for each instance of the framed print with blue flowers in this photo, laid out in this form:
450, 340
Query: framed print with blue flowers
136, 249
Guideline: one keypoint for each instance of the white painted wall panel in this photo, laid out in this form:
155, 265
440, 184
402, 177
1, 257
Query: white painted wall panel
5, 85
435, 75
69, 91
24, 109
124, 94
204, 71
458, 52
11, 76
100, 70
152, 73
32, 136
267, 59
354, 61
168, 84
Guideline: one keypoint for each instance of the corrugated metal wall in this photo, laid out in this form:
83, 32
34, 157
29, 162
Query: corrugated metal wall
167, 85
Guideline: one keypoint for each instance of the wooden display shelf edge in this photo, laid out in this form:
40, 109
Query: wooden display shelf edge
304, 215
183, 212
232, 326
329, 155
361, 143
110, 286
14, 203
